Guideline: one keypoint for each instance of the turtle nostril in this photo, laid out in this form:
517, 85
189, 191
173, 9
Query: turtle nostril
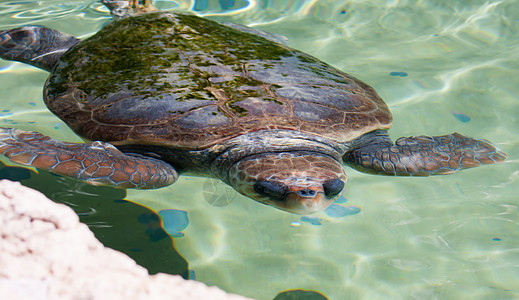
333, 187
306, 193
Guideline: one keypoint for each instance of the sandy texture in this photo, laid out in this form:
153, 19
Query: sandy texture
46, 253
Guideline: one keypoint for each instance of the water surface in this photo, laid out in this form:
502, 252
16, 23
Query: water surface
442, 67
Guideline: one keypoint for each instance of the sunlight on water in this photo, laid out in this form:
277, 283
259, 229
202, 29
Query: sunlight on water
442, 67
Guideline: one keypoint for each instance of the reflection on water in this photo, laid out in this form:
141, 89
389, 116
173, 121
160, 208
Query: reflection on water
300, 295
442, 66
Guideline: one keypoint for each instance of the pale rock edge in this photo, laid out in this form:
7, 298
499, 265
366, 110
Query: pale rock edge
46, 253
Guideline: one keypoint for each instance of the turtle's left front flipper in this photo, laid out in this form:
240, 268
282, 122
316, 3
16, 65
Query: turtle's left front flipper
97, 163
35, 45
422, 155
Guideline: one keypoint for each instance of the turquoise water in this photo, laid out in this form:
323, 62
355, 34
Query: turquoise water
442, 67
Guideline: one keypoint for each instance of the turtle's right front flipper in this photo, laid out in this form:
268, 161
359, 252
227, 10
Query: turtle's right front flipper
34, 45
97, 163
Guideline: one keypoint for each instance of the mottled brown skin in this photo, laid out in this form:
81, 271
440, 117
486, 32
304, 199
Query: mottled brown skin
423, 155
301, 173
97, 163
46, 45
164, 94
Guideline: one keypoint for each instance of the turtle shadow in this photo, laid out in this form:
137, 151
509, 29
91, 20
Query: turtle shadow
117, 223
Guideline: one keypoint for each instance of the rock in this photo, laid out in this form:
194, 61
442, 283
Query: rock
46, 253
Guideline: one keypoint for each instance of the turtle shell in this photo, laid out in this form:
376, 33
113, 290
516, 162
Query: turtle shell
183, 81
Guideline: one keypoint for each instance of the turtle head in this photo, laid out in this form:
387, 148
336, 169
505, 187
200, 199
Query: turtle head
298, 182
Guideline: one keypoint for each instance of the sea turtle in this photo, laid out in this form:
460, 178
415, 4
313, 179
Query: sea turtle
167, 93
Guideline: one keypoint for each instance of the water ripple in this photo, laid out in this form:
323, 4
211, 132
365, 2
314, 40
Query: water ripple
441, 66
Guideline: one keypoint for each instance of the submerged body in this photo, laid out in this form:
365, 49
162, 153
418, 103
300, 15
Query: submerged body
171, 93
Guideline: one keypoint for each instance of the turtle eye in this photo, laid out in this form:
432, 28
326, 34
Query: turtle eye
333, 188
274, 190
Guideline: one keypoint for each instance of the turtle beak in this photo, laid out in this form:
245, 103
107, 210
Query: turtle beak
307, 201
315, 198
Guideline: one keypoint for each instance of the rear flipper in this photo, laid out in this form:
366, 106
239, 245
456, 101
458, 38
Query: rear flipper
422, 155
97, 163
122, 9
38, 46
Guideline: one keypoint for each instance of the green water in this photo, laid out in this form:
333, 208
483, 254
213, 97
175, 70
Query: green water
442, 66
